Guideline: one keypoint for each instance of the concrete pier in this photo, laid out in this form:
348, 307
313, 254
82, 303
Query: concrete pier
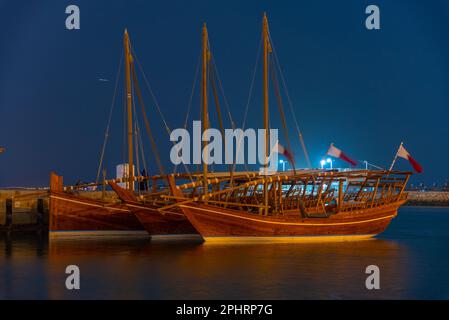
23, 210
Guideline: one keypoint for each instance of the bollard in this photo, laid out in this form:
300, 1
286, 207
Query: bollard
8, 219
40, 211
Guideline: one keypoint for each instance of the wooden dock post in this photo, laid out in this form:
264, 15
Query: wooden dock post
8, 219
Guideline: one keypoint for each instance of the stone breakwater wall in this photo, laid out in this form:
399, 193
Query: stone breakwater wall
428, 198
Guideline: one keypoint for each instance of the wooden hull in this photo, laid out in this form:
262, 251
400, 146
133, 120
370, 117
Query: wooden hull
172, 222
218, 223
72, 215
158, 224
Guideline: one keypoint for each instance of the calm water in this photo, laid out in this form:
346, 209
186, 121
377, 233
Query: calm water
413, 256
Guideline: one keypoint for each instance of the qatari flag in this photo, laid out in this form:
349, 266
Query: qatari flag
337, 153
279, 148
404, 154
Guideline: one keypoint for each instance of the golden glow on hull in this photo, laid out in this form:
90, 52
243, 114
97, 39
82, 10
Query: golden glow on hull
287, 239
96, 234
261, 220
176, 237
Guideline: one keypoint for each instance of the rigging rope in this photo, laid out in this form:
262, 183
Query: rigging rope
125, 115
167, 128
217, 102
136, 128
281, 108
143, 154
189, 106
218, 110
290, 104
147, 123
106, 135
139, 145
220, 85
136, 150
251, 87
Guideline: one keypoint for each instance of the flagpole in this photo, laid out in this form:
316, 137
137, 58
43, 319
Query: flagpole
395, 157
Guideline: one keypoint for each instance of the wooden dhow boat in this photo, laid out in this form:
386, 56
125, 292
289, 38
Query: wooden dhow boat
159, 225
73, 213
309, 205
284, 206
289, 206
77, 213
172, 221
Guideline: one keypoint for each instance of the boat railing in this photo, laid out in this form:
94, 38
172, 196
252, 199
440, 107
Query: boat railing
318, 192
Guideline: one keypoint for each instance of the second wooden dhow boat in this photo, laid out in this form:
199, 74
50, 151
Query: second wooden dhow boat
324, 205
159, 225
75, 212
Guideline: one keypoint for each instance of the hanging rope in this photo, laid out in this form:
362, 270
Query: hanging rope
217, 102
281, 108
140, 154
212, 80
138, 140
143, 153
189, 106
136, 149
220, 85
134, 120
290, 104
106, 134
124, 116
251, 87
150, 90
147, 123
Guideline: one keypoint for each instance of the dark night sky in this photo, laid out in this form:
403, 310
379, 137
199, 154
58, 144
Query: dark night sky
363, 90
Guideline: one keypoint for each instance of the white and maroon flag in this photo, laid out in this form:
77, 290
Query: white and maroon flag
337, 153
279, 148
404, 154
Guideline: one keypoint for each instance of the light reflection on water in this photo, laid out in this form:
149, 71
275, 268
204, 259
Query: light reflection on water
412, 256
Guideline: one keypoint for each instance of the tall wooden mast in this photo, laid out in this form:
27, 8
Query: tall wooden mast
266, 49
128, 61
205, 54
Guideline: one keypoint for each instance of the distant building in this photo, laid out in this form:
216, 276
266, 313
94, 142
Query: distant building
446, 186
434, 187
